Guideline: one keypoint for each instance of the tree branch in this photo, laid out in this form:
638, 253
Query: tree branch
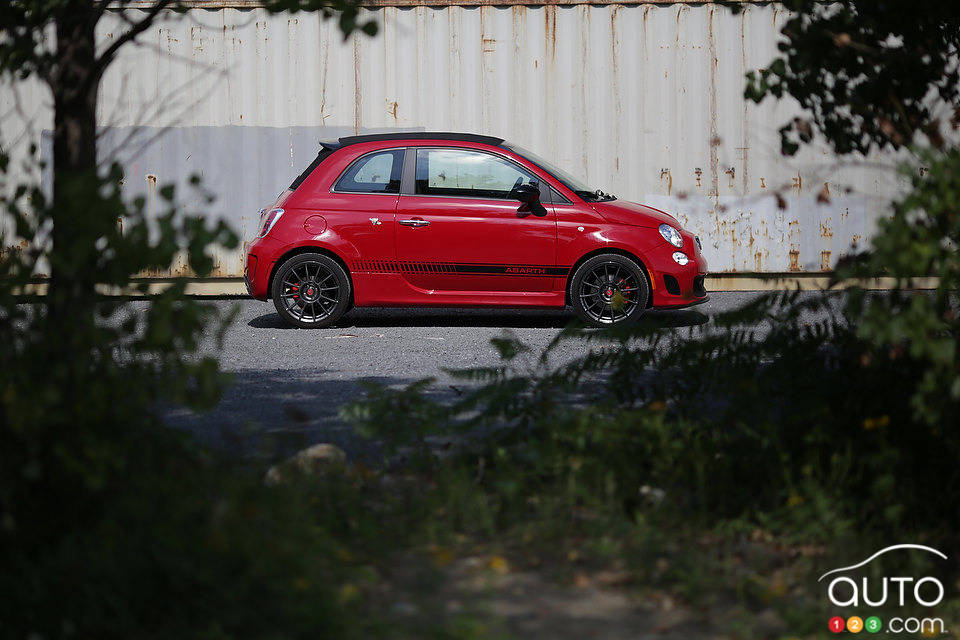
136, 29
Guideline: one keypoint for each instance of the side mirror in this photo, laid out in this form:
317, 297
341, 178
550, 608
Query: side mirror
529, 196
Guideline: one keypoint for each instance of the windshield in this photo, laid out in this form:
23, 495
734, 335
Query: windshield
571, 182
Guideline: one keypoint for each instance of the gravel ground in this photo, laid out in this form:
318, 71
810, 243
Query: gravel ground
289, 384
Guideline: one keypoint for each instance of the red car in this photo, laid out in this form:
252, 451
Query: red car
459, 220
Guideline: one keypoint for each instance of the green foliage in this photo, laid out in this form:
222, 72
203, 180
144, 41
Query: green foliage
186, 548
820, 421
113, 525
864, 72
25, 44
346, 11
777, 403
920, 239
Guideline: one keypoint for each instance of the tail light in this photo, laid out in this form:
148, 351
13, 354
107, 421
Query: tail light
268, 218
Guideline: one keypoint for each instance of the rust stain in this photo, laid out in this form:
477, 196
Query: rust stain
824, 261
196, 36
732, 175
357, 94
151, 180
393, 109
665, 173
550, 29
745, 157
489, 45
826, 229
823, 197
794, 260
763, 183
798, 183
714, 101
793, 236
698, 172
615, 89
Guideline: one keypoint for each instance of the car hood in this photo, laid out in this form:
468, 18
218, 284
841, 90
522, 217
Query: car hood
637, 215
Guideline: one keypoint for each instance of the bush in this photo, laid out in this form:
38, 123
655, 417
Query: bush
806, 421
113, 525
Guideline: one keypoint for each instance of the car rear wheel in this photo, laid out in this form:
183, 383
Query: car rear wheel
311, 290
609, 289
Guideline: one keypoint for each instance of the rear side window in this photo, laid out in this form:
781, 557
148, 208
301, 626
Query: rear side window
471, 174
373, 173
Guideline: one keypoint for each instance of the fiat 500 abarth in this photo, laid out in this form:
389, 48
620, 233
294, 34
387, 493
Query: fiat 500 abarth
459, 220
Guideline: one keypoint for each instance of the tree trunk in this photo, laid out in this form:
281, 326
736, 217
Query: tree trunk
74, 207
70, 302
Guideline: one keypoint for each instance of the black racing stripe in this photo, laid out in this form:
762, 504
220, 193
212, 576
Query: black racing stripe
528, 270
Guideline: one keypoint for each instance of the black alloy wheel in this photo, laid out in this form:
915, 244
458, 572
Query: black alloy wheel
609, 289
311, 290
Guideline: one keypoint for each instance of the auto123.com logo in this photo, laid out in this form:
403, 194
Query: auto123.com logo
860, 594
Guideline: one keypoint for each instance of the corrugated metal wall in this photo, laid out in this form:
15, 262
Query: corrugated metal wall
643, 100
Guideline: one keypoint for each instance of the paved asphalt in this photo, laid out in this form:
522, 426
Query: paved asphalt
289, 384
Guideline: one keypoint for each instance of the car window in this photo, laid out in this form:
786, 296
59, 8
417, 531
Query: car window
373, 173
472, 174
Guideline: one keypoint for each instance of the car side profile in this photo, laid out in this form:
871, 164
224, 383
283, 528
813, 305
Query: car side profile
461, 220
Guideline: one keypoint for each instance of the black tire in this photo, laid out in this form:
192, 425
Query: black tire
609, 289
311, 290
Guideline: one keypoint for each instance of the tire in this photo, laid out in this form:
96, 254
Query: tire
595, 285
311, 290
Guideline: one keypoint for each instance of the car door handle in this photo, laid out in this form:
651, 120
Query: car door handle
414, 223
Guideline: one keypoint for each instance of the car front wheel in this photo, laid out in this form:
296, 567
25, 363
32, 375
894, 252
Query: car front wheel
609, 289
311, 290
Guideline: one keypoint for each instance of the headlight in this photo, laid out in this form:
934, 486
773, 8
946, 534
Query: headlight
680, 258
671, 235
268, 219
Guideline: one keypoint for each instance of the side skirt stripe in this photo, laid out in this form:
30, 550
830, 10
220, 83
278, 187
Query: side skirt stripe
394, 266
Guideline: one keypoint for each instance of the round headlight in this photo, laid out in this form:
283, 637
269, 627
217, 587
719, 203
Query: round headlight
671, 235
680, 258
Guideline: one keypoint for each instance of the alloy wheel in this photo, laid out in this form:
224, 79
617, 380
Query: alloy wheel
609, 292
310, 292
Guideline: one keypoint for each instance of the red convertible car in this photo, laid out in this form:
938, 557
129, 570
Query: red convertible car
459, 220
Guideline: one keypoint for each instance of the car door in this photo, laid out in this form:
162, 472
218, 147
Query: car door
459, 229
361, 209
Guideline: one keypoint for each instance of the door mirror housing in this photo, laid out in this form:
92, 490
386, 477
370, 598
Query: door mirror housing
529, 196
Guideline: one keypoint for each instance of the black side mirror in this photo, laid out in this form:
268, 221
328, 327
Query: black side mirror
529, 196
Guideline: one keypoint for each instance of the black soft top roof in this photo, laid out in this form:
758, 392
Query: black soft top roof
421, 135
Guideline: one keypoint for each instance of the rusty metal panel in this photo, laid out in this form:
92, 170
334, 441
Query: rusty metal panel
643, 100
255, 4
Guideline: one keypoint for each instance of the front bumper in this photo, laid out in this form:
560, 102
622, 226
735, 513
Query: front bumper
684, 305
676, 286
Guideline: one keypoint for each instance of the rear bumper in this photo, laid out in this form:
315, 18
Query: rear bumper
257, 267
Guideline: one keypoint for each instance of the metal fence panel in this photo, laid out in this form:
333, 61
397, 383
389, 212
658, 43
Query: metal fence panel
643, 100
